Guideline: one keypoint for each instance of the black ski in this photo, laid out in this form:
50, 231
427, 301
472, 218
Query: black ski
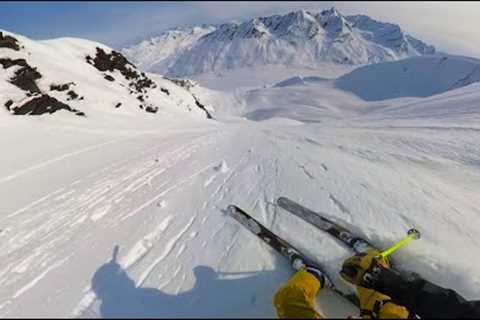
274, 241
316, 219
278, 244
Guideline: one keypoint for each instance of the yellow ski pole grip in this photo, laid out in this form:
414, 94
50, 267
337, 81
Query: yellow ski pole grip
413, 234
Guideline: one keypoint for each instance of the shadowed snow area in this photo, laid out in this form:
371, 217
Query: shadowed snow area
122, 214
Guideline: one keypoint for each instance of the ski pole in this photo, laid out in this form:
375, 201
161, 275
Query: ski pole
413, 234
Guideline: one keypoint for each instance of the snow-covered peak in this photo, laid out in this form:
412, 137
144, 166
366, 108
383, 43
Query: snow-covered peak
158, 53
300, 17
332, 12
294, 24
420, 46
299, 38
333, 22
389, 35
300, 24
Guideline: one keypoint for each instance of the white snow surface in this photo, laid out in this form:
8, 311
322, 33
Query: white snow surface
248, 78
413, 77
123, 215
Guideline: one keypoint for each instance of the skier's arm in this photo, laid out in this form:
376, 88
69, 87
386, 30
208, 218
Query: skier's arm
418, 295
422, 297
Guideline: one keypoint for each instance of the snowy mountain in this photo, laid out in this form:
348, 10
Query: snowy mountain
389, 36
124, 215
84, 78
300, 38
157, 54
422, 76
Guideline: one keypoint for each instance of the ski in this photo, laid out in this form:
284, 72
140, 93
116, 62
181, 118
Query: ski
316, 219
280, 245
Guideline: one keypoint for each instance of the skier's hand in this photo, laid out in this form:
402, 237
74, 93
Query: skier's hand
358, 268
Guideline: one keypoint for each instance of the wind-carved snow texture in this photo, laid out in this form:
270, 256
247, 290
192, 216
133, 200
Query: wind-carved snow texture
300, 38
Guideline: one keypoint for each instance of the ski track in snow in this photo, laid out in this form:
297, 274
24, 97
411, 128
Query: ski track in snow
162, 203
142, 247
166, 191
38, 278
171, 244
69, 213
36, 202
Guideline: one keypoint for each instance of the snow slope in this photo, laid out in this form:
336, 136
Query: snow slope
414, 77
126, 217
300, 39
86, 77
248, 78
452, 108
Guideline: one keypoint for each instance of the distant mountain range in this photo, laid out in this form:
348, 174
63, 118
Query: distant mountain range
300, 38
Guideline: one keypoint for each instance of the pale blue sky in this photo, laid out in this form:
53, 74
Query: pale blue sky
450, 26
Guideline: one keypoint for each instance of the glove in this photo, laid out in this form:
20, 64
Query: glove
362, 269
298, 264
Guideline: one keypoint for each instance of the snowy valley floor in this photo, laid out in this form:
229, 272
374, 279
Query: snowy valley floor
129, 220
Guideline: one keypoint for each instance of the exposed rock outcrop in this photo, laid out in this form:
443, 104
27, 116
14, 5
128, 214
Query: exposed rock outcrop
42, 104
8, 42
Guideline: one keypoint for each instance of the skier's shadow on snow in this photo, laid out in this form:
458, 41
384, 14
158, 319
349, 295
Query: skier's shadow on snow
211, 296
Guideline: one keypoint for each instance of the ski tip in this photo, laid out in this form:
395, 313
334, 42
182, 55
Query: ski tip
231, 209
281, 199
